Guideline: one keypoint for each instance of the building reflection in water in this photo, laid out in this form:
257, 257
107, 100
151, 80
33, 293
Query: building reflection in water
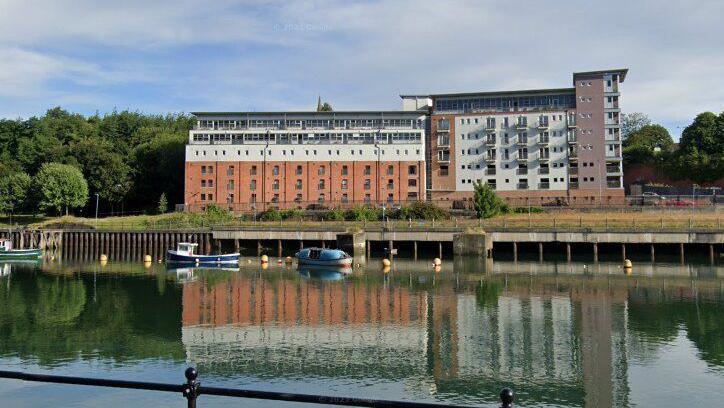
559, 338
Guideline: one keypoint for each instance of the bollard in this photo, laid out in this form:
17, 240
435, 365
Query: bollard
507, 397
191, 388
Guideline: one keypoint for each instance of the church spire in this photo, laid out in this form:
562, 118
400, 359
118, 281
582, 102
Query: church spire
319, 103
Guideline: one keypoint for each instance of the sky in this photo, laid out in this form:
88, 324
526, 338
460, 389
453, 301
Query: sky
160, 56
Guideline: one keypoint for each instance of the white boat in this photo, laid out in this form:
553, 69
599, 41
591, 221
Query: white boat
185, 253
323, 257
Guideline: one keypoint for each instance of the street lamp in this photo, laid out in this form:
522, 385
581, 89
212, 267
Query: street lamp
693, 197
96, 209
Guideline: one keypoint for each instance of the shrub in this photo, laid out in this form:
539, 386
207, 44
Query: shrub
526, 210
420, 210
363, 214
292, 214
487, 203
271, 214
216, 214
334, 214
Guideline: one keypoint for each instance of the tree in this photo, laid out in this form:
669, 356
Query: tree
701, 150
326, 107
487, 203
162, 204
631, 122
647, 144
103, 167
13, 191
60, 186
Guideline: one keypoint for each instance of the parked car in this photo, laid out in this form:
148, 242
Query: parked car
651, 198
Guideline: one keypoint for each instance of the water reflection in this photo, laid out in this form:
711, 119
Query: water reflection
560, 334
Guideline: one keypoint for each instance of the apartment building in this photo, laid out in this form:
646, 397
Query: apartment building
534, 147
247, 161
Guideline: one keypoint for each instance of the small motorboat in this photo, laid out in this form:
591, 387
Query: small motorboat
185, 253
8, 253
323, 257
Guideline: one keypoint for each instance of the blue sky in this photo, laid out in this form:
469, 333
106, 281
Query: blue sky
192, 55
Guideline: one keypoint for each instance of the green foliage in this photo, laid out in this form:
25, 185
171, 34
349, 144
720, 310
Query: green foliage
632, 122
487, 203
420, 210
162, 204
325, 107
292, 214
649, 144
701, 150
14, 189
487, 293
215, 214
363, 213
271, 214
104, 168
526, 210
334, 214
60, 186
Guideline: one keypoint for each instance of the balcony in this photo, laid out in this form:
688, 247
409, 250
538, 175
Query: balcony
573, 155
522, 141
573, 170
544, 140
543, 124
613, 184
521, 125
545, 157
442, 130
490, 172
571, 122
544, 170
490, 158
490, 141
572, 137
613, 169
490, 126
444, 157
523, 158
544, 186
443, 142
522, 186
521, 171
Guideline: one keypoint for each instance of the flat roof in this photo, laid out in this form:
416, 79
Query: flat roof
621, 71
310, 113
505, 93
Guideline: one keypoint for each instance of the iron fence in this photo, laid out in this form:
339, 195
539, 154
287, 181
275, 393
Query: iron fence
192, 389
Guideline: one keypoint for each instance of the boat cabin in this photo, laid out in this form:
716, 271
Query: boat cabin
186, 248
314, 253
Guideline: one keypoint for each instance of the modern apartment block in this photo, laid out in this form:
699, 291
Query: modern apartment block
249, 161
534, 147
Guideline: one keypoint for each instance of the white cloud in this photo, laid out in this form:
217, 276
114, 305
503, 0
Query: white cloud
233, 55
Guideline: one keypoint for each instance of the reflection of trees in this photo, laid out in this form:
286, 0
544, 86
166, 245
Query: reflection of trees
487, 293
656, 321
54, 318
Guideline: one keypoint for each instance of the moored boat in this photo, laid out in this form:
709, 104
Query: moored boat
323, 257
185, 253
8, 253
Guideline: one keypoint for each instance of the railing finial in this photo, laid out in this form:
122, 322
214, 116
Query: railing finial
191, 388
507, 397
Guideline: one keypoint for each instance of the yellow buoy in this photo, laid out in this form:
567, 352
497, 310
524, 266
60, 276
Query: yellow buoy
288, 259
437, 261
264, 259
147, 264
104, 257
104, 262
386, 269
386, 262
264, 265
147, 258
627, 263
437, 268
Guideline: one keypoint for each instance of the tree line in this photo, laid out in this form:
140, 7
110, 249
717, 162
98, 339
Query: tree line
59, 161
699, 156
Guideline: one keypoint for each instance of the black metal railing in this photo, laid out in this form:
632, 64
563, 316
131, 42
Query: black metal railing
192, 388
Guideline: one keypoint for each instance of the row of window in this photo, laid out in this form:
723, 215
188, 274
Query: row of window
555, 101
314, 152
321, 184
309, 123
321, 170
309, 138
321, 198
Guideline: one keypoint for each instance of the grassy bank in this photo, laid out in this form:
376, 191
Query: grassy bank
569, 220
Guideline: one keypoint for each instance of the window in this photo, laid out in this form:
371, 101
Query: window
252, 185
321, 184
321, 198
412, 183
368, 170
298, 198
211, 170
230, 198
367, 184
344, 184
390, 170
252, 171
203, 170
211, 183
368, 198
203, 197
230, 185
345, 199
275, 170
275, 199
390, 184
275, 185
444, 171
344, 170
230, 171
390, 198
299, 170
412, 170
203, 183
320, 171
211, 197
252, 199
298, 185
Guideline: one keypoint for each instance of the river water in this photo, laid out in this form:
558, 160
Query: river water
559, 334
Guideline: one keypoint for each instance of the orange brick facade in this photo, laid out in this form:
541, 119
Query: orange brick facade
302, 184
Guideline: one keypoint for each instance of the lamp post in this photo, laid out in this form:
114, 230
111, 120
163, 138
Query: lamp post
96, 210
693, 197
377, 171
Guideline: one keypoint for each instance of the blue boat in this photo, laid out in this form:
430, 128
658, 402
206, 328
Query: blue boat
323, 257
185, 253
8, 253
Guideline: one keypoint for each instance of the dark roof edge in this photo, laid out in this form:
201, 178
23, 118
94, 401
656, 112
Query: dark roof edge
620, 71
505, 93
310, 113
